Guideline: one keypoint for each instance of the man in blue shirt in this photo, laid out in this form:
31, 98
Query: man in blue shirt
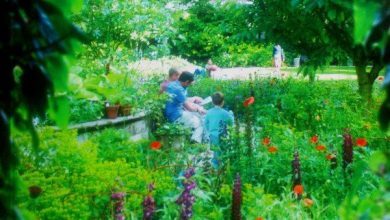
174, 108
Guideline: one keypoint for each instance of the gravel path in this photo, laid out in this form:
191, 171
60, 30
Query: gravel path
245, 73
162, 66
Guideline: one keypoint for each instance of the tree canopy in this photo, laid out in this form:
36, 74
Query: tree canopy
323, 30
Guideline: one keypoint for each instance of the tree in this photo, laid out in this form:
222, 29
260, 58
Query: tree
208, 29
377, 36
143, 27
321, 30
36, 36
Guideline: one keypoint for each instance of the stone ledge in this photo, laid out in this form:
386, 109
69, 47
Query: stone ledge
97, 125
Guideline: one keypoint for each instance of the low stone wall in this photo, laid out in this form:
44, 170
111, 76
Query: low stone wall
137, 125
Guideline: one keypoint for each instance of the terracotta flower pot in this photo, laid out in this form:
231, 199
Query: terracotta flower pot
35, 191
125, 110
112, 111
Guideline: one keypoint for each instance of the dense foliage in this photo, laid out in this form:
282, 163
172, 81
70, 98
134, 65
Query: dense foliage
222, 32
36, 36
298, 149
78, 179
123, 30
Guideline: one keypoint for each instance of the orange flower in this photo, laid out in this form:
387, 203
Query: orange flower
314, 139
272, 149
361, 142
258, 218
308, 202
266, 141
320, 148
330, 156
249, 101
155, 145
298, 189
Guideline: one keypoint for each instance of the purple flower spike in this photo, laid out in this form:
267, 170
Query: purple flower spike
149, 207
186, 199
149, 204
189, 173
151, 187
190, 185
237, 199
118, 195
119, 202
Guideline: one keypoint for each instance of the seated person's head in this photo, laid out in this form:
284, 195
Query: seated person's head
218, 99
186, 78
174, 74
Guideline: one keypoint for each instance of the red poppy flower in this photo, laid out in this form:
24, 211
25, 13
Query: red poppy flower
155, 145
314, 139
258, 218
272, 149
361, 142
330, 156
320, 148
298, 189
308, 202
266, 141
249, 101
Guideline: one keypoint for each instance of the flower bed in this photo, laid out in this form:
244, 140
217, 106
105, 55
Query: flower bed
317, 155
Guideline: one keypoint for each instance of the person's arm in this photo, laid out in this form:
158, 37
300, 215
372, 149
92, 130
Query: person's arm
195, 99
194, 108
162, 88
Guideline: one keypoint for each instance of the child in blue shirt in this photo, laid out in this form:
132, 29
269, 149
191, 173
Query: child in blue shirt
217, 118
216, 121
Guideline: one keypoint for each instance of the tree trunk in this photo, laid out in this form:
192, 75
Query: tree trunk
367, 79
365, 85
108, 66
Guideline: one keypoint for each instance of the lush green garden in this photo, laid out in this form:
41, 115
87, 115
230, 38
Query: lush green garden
78, 179
298, 149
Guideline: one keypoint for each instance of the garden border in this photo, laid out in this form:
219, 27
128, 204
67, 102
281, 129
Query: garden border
137, 125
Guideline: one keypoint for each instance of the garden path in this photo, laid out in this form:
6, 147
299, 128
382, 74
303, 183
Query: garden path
246, 72
162, 65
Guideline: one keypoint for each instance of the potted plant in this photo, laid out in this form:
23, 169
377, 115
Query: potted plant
111, 111
125, 106
127, 100
112, 105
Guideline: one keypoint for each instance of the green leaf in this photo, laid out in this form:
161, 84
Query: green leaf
364, 15
68, 6
376, 160
58, 71
332, 14
59, 110
202, 195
